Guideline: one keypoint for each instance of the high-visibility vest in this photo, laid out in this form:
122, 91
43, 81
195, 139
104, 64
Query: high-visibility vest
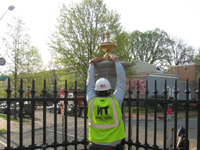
105, 120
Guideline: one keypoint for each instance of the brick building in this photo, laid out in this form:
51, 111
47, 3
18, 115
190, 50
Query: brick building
187, 72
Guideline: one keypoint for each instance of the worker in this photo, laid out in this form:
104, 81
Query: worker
106, 126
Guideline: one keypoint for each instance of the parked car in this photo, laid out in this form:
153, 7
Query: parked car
51, 108
26, 104
3, 108
27, 110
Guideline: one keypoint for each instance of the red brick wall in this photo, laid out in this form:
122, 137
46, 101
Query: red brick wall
187, 71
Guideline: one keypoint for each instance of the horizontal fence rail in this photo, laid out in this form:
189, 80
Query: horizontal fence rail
133, 137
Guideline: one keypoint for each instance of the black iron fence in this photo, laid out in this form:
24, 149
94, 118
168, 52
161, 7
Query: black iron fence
56, 131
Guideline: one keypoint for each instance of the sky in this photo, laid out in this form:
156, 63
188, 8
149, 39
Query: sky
180, 18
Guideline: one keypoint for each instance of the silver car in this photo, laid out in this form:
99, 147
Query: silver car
51, 108
3, 108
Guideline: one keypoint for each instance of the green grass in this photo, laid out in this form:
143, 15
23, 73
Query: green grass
190, 116
12, 118
142, 110
2, 131
150, 110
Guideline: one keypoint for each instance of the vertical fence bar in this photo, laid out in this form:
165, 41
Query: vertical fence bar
130, 118
44, 91
165, 116
175, 113
21, 116
187, 92
146, 115
198, 117
123, 112
55, 115
85, 118
33, 113
138, 107
8, 114
65, 113
75, 121
155, 115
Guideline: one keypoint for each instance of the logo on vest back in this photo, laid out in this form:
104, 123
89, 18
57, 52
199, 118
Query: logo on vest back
102, 113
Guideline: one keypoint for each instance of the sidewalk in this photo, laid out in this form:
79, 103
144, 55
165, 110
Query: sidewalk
14, 126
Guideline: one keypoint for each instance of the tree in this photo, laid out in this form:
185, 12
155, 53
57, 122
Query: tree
197, 60
197, 57
149, 46
179, 52
81, 27
158, 48
3, 85
25, 58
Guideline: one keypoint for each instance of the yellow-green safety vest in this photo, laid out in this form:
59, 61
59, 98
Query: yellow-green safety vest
105, 120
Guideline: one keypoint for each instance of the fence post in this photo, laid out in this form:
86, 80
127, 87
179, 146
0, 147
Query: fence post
85, 118
33, 113
44, 91
165, 116
175, 113
198, 117
187, 92
21, 116
8, 114
137, 103
64, 118
155, 114
146, 115
130, 119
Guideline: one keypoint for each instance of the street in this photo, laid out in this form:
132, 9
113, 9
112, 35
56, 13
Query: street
80, 129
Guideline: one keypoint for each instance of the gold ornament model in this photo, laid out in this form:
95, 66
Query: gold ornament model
107, 46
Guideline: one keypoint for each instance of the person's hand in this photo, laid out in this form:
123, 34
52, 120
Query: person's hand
95, 60
113, 58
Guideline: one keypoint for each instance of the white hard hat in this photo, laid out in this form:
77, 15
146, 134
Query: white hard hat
102, 84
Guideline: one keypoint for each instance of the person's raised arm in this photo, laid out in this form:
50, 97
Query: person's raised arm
90, 93
121, 80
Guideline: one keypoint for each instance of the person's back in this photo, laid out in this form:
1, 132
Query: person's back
106, 127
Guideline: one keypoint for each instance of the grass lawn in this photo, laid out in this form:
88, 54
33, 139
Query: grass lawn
12, 118
179, 117
3, 131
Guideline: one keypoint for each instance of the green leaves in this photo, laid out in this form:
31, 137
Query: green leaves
158, 48
81, 27
149, 46
25, 60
